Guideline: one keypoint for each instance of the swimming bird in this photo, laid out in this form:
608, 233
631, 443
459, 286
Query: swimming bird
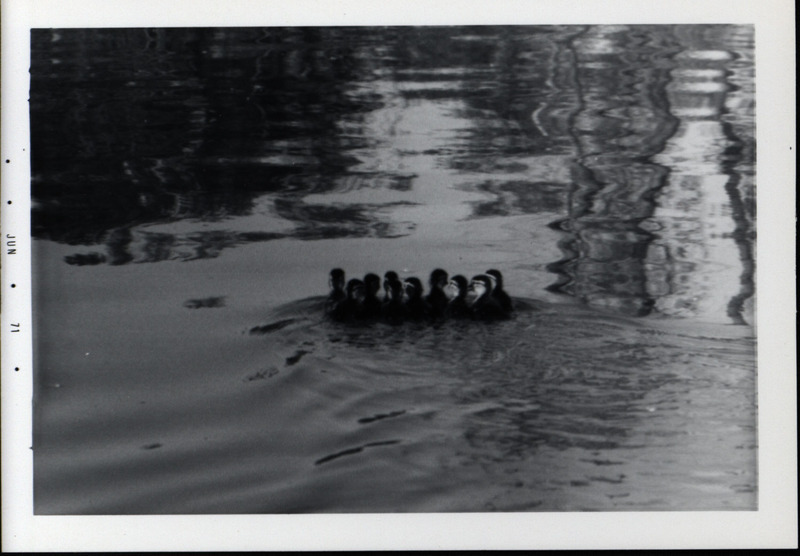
436, 298
479, 299
388, 278
498, 293
456, 291
392, 308
371, 307
353, 305
416, 308
334, 305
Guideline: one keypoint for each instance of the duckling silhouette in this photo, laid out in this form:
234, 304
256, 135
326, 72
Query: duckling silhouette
334, 305
436, 298
371, 307
498, 293
353, 305
388, 278
456, 291
479, 299
416, 308
392, 308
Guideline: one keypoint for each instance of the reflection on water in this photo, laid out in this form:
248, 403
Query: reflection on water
621, 121
176, 144
705, 218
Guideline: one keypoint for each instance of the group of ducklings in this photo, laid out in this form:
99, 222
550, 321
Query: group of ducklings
481, 298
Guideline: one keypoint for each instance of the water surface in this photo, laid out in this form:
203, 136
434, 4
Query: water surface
193, 187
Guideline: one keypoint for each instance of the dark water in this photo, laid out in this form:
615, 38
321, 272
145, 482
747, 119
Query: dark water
192, 188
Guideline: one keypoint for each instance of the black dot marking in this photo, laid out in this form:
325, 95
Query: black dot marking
16, 368
9, 202
13, 285
7, 161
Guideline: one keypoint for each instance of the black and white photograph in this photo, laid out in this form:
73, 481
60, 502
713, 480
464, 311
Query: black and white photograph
503, 268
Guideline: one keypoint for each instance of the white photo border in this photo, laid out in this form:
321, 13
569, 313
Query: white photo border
773, 525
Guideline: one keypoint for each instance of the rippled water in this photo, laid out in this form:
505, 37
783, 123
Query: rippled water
192, 188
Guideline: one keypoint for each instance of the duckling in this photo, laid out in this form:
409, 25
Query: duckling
371, 307
392, 308
437, 299
353, 305
416, 308
456, 291
479, 299
334, 305
498, 293
388, 278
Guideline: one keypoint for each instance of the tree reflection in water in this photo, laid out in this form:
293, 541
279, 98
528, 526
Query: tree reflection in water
637, 139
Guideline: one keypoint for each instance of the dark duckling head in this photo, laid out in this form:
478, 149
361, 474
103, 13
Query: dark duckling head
456, 288
481, 301
416, 308
438, 279
394, 289
496, 276
412, 288
388, 279
334, 305
353, 305
480, 288
372, 284
336, 279
372, 305
392, 308
355, 290
437, 298
456, 291
498, 293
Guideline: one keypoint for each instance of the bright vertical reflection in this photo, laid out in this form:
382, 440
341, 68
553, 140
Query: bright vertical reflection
700, 264
661, 212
